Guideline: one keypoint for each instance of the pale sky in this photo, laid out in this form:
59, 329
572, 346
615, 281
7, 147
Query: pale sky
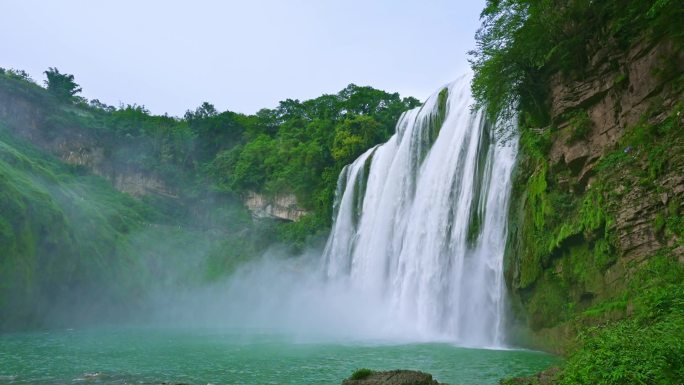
239, 55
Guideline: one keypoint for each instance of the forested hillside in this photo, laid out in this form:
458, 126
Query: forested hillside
102, 206
595, 249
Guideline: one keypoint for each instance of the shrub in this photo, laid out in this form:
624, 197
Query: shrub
645, 349
360, 374
580, 126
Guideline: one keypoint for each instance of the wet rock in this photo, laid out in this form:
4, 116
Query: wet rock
394, 377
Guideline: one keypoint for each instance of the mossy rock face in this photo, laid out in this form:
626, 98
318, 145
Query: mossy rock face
65, 239
392, 377
576, 240
434, 123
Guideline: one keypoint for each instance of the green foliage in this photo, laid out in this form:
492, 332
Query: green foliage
535, 144
214, 132
55, 241
629, 353
621, 80
604, 308
254, 163
297, 148
15, 74
436, 125
69, 240
354, 136
497, 89
674, 222
649, 140
648, 348
61, 85
579, 125
300, 148
297, 235
360, 374
522, 43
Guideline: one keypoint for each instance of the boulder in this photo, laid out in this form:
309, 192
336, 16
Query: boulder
392, 377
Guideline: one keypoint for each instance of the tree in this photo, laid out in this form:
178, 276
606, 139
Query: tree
354, 136
61, 85
522, 43
205, 110
214, 131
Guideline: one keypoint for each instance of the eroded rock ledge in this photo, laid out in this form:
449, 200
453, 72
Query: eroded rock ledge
283, 207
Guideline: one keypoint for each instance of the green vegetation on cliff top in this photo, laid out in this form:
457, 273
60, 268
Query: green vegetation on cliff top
521, 44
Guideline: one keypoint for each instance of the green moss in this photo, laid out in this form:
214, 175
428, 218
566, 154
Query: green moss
550, 303
579, 126
434, 124
537, 209
574, 241
603, 309
360, 185
605, 253
537, 197
659, 223
621, 80
477, 207
442, 99
535, 143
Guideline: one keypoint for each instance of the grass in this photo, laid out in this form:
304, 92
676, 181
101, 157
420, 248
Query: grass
360, 374
648, 347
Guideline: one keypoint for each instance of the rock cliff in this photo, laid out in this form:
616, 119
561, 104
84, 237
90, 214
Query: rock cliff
605, 196
282, 207
30, 116
615, 94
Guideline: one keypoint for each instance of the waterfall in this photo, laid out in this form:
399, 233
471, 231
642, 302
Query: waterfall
420, 222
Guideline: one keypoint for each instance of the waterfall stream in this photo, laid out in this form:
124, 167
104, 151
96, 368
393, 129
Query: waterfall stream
420, 222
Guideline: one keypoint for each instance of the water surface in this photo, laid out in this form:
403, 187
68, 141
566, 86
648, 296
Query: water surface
141, 356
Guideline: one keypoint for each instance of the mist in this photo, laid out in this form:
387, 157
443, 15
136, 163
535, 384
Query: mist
284, 295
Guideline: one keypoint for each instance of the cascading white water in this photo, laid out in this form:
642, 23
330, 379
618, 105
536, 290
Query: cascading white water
420, 222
